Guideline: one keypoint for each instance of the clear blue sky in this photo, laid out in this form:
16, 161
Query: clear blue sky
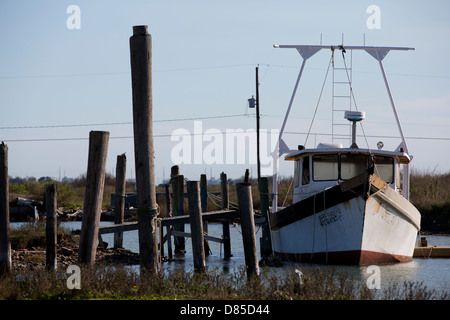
204, 59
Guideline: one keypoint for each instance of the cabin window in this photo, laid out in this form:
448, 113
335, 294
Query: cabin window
352, 165
325, 167
305, 170
384, 168
296, 173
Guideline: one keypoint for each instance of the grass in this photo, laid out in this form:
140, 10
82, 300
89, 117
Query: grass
108, 282
430, 193
32, 235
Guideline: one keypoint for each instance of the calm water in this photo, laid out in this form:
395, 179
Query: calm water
434, 273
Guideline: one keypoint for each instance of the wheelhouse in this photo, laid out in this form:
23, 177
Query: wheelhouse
327, 165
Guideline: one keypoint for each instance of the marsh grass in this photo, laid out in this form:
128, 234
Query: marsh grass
108, 282
32, 235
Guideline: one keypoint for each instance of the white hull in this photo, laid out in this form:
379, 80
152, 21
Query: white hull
379, 229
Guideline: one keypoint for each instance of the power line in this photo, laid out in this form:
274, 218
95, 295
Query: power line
119, 123
101, 74
194, 134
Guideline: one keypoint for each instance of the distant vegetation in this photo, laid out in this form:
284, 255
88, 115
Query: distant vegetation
70, 191
430, 193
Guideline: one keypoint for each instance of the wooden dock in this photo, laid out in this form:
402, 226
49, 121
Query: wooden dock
225, 217
211, 216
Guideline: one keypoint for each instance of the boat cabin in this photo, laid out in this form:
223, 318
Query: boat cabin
328, 164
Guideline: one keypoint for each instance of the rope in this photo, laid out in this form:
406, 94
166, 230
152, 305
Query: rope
314, 228
148, 214
287, 194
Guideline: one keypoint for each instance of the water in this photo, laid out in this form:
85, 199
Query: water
433, 273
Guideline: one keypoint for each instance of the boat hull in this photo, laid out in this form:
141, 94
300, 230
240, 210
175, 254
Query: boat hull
360, 222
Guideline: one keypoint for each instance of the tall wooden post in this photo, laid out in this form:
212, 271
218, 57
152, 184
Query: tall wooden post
168, 214
225, 223
95, 183
51, 226
195, 219
245, 202
141, 78
174, 173
5, 241
119, 197
204, 203
179, 241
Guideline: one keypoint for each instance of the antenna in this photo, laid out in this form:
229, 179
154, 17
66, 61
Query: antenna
354, 117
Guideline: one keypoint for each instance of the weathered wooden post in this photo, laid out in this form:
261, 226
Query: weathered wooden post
224, 190
174, 172
141, 78
245, 202
204, 203
179, 241
168, 214
119, 197
95, 183
195, 219
265, 244
225, 223
204, 192
51, 226
5, 241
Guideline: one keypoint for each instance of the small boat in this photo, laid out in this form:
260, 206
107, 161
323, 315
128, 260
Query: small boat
350, 204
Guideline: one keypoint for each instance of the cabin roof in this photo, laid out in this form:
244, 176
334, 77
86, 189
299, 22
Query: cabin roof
403, 157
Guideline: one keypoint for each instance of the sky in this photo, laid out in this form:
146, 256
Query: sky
64, 73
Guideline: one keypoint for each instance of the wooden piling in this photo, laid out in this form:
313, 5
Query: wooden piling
225, 223
179, 241
224, 191
119, 197
95, 183
174, 172
51, 226
265, 244
141, 76
195, 219
246, 214
247, 175
204, 204
5, 241
226, 239
168, 214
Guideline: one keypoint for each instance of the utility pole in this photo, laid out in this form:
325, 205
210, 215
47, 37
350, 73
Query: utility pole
257, 125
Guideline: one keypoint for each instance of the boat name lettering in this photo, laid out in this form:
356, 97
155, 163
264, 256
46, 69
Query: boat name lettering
330, 216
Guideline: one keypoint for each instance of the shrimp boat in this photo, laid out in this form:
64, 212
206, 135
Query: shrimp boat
350, 204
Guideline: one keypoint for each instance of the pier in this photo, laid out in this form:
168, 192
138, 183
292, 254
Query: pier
431, 252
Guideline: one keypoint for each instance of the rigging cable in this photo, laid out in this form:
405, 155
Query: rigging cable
353, 96
320, 96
